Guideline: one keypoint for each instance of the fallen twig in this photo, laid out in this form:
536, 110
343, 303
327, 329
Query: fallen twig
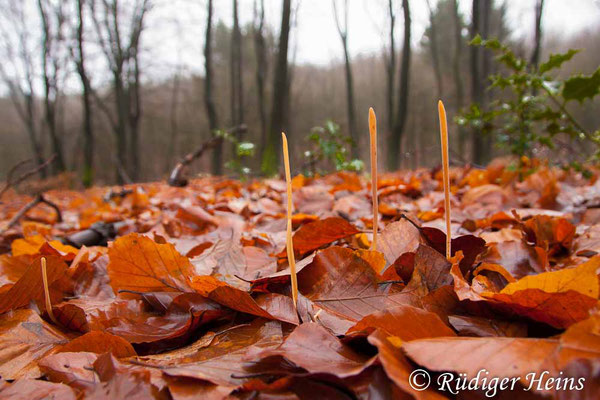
37, 200
177, 175
10, 182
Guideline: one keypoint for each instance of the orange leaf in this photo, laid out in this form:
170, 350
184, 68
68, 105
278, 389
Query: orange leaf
99, 343
140, 264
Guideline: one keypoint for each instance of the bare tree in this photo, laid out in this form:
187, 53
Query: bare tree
54, 60
211, 111
535, 56
350, 108
476, 80
237, 88
78, 55
121, 49
393, 160
456, 70
435, 54
270, 156
261, 65
18, 71
390, 67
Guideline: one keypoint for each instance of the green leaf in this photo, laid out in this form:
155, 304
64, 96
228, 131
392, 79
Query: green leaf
476, 41
581, 87
556, 60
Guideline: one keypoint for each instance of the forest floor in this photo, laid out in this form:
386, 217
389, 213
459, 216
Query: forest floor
184, 292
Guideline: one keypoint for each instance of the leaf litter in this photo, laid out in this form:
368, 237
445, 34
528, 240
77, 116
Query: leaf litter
188, 294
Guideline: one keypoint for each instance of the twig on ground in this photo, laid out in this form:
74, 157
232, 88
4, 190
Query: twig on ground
11, 182
36, 200
177, 175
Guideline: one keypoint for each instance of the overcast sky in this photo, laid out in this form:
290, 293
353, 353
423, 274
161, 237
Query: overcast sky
178, 26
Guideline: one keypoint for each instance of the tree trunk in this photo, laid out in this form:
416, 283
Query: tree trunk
350, 109
237, 92
261, 69
456, 72
88, 135
391, 70
394, 150
476, 87
211, 111
535, 56
173, 122
270, 156
49, 77
435, 54
135, 113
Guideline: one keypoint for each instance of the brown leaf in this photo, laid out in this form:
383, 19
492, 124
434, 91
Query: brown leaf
317, 234
30, 286
223, 363
396, 239
24, 339
228, 296
485, 327
398, 367
558, 298
74, 369
404, 323
313, 348
118, 380
29, 389
99, 343
341, 282
138, 263
508, 357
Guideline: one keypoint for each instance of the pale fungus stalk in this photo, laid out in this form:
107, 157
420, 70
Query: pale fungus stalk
445, 174
373, 136
289, 243
47, 291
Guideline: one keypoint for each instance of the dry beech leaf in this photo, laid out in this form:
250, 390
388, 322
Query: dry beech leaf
74, 369
224, 361
508, 357
99, 343
341, 282
558, 298
316, 350
403, 323
29, 389
396, 239
30, 285
228, 296
315, 235
485, 327
397, 367
138, 263
24, 339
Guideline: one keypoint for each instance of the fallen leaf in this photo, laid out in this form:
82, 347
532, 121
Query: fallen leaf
24, 339
99, 343
313, 348
138, 263
29, 389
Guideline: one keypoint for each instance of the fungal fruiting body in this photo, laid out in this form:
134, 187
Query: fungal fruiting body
289, 243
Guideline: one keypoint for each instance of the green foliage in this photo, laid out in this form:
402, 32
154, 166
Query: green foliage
242, 152
531, 110
329, 147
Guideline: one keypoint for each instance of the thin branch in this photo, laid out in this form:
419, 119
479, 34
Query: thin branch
37, 200
10, 182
